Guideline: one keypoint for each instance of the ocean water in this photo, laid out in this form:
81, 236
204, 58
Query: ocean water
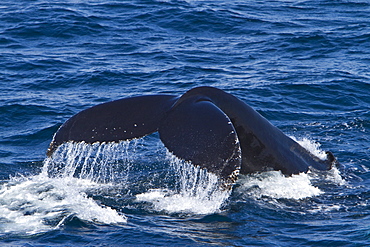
304, 65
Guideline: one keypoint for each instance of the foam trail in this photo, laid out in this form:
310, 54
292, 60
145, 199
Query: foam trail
196, 192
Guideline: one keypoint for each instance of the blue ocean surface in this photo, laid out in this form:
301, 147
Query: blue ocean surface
304, 65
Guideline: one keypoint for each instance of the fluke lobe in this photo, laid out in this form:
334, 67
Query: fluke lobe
207, 126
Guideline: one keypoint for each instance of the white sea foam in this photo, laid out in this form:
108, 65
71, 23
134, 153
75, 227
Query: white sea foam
197, 191
174, 202
312, 146
39, 203
275, 185
43, 202
333, 175
325, 208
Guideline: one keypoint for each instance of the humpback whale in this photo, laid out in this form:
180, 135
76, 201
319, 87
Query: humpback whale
206, 126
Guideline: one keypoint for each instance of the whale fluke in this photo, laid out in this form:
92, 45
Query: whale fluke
206, 126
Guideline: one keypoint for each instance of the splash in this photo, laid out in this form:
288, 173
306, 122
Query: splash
311, 146
30, 205
38, 204
44, 202
332, 176
100, 163
275, 185
196, 191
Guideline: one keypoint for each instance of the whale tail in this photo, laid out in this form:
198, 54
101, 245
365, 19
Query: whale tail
207, 126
